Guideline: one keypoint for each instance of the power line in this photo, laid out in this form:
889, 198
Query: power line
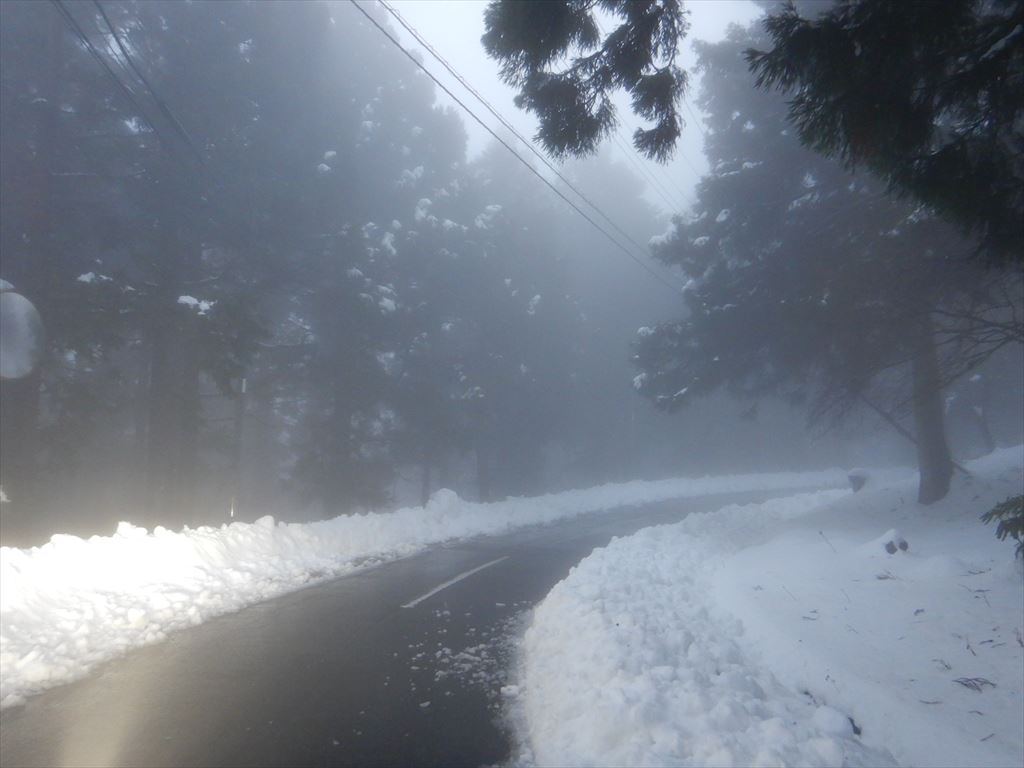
665, 176
79, 32
650, 174
194, 176
659, 189
394, 41
529, 144
161, 105
121, 87
125, 91
696, 120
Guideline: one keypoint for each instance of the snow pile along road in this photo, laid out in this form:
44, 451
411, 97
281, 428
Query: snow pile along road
764, 634
72, 603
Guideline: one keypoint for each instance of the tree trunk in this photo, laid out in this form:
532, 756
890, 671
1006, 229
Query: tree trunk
236, 446
173, 425
983, 431
160, 426
425, 482
443, 473
933, 457
483, 472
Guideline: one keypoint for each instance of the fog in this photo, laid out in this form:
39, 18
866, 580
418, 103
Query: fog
281, 272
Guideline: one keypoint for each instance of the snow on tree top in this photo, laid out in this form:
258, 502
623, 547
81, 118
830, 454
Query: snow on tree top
810, 197
410, 177
659, 240
201, 307
388, 362
483, 220
92, 277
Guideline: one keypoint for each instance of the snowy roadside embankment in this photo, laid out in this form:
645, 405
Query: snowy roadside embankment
72, 603
752, 636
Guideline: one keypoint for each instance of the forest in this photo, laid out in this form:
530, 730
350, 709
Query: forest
272, 278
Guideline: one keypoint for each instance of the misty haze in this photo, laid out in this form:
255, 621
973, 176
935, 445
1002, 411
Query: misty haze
479, 382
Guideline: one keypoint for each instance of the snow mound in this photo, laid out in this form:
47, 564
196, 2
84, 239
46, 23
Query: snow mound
894, 632
626, 664
784, 633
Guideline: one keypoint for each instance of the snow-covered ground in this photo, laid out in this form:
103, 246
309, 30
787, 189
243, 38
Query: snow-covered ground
73, 603
764, 634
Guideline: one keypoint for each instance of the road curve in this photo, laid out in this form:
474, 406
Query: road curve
401, 664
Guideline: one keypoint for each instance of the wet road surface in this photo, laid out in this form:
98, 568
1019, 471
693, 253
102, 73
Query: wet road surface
341, 673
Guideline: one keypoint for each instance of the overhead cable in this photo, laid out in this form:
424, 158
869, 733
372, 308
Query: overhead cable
161, 105
659, 189
641, 161
508, 126
394, 41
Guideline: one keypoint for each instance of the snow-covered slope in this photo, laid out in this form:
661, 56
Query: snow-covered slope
761, 634
72, 603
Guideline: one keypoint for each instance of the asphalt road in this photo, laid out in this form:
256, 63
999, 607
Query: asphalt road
336, 674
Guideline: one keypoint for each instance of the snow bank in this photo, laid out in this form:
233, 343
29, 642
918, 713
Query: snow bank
890, 635
638, 657
72, 603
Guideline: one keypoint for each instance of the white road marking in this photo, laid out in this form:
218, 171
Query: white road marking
448, 583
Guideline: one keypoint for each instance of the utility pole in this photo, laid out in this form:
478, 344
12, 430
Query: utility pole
239, 422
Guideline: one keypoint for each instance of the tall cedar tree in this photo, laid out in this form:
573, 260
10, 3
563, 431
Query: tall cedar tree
803, 278
929, 94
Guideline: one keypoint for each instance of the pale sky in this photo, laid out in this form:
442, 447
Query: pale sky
454, 28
